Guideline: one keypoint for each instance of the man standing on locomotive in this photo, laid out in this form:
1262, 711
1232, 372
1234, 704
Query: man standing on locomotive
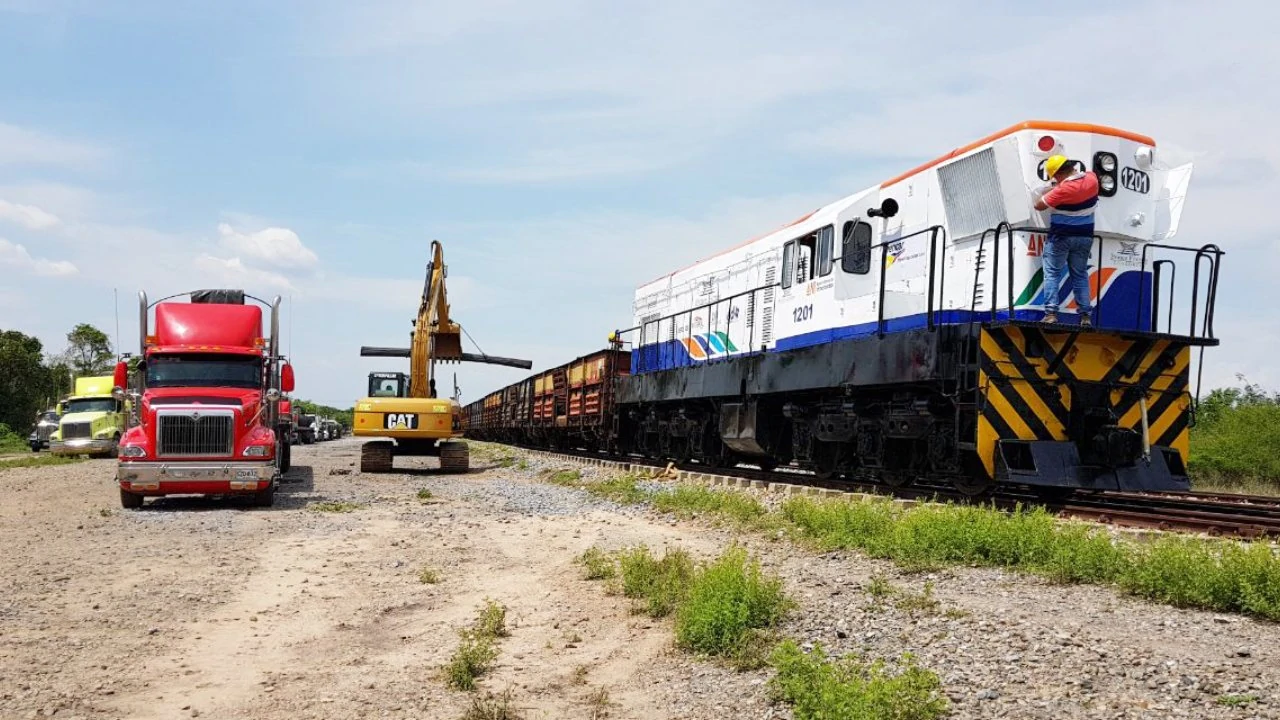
1071, 199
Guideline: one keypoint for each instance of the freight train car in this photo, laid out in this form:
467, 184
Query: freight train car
914, 345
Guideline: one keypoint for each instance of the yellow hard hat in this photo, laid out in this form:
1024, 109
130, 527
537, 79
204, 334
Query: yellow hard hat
1053, 165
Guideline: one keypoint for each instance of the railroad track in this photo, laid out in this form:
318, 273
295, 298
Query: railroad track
1223, 514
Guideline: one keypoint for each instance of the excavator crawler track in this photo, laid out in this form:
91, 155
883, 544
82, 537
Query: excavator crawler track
377, 456
454, 457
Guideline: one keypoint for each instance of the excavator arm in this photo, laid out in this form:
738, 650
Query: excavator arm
435, 336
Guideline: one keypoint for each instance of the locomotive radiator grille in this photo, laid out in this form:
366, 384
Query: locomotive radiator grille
195, 434
76, 430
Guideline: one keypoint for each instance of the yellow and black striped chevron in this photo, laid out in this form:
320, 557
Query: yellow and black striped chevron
1027, 385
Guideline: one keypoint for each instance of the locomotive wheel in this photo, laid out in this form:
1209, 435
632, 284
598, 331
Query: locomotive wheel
454, 457
377, 456
974, 487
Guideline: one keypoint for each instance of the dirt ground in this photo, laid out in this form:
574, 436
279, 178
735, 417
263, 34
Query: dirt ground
202, 608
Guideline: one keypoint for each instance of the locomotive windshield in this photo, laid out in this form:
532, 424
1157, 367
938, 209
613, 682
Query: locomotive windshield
211, 370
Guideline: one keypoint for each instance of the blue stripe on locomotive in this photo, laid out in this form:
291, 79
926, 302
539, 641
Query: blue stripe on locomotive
1115, 311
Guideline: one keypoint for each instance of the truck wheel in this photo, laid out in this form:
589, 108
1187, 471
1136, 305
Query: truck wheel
377, 456
454, 457
114, 452
35, 447
265, 498
130, 501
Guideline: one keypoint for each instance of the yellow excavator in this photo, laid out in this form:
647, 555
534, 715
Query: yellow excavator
404, 409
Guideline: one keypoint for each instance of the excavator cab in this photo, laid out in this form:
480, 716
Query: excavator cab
388, 384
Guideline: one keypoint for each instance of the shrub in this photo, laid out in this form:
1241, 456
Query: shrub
727, 600
852, 687
660, 584
689, 499
598, 564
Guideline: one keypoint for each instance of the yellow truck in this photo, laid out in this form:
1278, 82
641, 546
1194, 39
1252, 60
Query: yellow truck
92, 420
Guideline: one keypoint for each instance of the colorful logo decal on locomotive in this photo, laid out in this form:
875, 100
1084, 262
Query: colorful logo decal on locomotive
1033, 293
893, 252
709, 345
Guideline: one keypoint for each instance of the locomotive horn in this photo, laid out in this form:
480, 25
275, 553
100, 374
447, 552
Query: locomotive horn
887, 209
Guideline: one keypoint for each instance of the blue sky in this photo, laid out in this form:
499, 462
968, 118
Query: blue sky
563, 151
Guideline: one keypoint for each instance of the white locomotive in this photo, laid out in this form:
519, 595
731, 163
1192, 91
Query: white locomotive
862, 264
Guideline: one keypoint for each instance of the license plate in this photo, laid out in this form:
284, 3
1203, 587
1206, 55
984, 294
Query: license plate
246, 474
400, 421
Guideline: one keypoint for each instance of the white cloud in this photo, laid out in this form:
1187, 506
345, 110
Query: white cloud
232, 272
28, 216
274, 246
22, 146
17, 256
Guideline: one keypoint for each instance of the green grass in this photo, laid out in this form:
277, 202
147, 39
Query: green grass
334, 506
34, 460
819, 688
12, 442
492, 621
659, 585
728, 600
1237, 446
428, 576
1181, 571
688, 500
622, 489
597, 564
565, 478
477, 650
424, 494
1237, 700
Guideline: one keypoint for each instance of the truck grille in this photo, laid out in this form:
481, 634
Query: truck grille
195, 434
76, 430
44, 431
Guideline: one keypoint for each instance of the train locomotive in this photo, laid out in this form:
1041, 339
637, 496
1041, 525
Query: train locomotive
896, 335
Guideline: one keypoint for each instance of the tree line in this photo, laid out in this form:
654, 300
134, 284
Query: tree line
32, 379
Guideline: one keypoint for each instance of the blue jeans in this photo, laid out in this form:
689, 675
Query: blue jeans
1072, 252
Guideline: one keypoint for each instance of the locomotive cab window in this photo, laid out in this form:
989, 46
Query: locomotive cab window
855, 251
826, 244
788, 263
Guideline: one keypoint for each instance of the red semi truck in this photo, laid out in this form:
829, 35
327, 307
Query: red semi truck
206, 394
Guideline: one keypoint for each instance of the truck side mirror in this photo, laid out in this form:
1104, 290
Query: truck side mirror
286, 378
121, 379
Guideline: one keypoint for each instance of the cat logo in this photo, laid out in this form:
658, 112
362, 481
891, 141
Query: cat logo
400, 421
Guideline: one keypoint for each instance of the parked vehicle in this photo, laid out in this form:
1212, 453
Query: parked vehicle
206, 392
90, 422
46, 425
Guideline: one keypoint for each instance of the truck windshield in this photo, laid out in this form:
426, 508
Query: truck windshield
236, 371
85, 405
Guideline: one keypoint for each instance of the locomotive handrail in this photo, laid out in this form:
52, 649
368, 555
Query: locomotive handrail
1209, 253
935, 232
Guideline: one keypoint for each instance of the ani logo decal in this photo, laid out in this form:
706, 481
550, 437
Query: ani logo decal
713, 344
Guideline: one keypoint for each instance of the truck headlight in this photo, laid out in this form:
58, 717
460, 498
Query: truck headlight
255, 451
133, 451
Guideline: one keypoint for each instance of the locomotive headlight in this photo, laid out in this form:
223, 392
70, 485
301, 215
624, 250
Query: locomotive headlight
1107, 183
1107, 163
1144, 156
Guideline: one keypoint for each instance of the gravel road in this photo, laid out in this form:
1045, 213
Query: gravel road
205, 608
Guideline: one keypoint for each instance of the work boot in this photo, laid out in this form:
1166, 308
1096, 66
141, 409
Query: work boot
1049, 318
1085, 321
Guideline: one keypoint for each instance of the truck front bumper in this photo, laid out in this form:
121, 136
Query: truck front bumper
200, 478
81, 446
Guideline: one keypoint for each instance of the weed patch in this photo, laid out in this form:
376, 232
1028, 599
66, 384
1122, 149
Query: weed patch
1186, 572
688, 500
597, 564
851, 687
728, 600
334, 506
1237, 700
425, 494
622, 489
476, 651
428, 576
492, 707
34, 460
565, 478
660, 585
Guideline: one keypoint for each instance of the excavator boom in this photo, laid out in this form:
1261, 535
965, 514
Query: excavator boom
418, 422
